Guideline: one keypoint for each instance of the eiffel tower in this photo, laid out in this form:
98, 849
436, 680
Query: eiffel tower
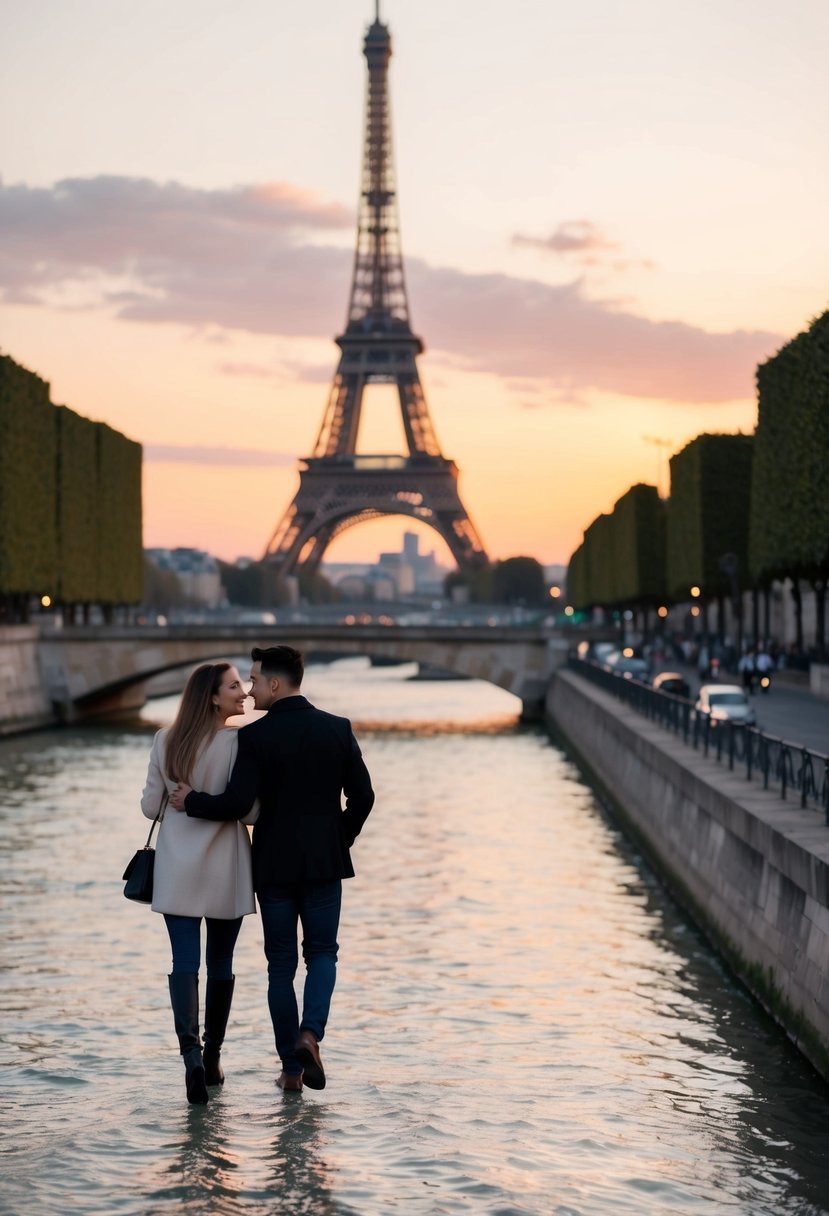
337, 487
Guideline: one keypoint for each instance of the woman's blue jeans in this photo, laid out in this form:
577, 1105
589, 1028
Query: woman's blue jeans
317, 907
185, 939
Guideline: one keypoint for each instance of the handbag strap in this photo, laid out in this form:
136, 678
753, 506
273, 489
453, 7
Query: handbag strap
159, 816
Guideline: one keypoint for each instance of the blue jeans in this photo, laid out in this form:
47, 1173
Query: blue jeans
317, 907
185, 939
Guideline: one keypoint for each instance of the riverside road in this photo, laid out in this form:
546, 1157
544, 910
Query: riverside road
788, 711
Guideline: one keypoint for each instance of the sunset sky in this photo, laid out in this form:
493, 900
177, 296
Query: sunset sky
610, 213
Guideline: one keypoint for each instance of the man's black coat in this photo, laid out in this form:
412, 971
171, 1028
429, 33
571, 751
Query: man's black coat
298, 761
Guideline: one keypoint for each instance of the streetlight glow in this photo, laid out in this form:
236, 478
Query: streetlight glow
46, 601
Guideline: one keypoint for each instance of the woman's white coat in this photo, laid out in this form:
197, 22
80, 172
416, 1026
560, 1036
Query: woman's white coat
202, 868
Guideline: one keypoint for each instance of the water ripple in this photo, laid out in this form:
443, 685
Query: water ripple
524, 1025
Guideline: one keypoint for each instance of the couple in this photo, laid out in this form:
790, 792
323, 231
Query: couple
285, 773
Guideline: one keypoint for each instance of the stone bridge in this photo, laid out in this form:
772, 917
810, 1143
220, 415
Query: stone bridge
86, 671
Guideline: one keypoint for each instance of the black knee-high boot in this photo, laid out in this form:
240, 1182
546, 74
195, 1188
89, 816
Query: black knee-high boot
217, 1002
184, 997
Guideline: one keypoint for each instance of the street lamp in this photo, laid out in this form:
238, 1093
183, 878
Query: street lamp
658, 442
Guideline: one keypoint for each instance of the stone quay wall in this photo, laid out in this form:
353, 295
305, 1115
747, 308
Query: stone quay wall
24, 699
752, 868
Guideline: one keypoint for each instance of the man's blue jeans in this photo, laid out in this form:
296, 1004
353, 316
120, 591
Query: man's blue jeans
317, 907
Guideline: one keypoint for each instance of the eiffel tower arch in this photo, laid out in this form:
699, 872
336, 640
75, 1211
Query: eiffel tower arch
337, 487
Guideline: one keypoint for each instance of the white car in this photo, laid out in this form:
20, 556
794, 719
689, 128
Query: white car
726, 703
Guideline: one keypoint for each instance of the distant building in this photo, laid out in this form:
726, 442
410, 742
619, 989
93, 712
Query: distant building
399, 571
352, 586
384, 588
555, 575
556, 579
196, 571
428, 572
394, 576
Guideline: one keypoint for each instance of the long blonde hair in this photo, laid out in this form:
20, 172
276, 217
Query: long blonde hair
196, 721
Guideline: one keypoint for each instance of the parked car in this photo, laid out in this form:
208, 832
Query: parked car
672, 681
726, 703
626, 663
595, 652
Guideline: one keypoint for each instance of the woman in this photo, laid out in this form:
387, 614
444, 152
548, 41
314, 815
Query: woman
202, 868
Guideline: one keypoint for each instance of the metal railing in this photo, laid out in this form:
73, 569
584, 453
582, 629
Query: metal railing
779, 763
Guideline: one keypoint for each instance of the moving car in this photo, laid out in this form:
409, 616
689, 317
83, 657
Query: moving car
595, 652
626, 663
726, 703
672, 681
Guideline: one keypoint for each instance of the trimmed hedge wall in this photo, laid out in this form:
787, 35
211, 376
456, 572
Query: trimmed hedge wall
120, 556
77, 480
639, 543
708, 513
760, 497
578, 583
789, 535
28, 495
70, 502
621, 560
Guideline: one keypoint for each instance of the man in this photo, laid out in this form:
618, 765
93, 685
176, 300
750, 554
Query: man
746, 669
764, 666
298, 761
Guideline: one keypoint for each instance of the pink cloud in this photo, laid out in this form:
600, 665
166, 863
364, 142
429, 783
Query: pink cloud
252, 370
582, 242
518, 327
241, 259
311, 373
571, 236
174, 454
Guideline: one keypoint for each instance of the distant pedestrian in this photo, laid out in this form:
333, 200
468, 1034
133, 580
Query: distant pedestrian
764, 665
746, 668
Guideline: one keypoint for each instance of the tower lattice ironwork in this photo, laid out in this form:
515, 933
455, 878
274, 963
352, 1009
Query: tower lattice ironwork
339, 488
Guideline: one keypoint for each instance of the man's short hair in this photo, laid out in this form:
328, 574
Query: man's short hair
280, 661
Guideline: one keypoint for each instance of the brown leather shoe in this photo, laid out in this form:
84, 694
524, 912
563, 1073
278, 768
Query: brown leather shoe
290, 1082
306, 1050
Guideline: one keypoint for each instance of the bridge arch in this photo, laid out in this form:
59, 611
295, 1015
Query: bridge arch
94, 670
317, 537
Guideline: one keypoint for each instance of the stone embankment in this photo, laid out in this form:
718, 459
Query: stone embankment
752, 869
24, 701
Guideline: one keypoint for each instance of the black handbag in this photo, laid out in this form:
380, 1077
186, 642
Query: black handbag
139, 872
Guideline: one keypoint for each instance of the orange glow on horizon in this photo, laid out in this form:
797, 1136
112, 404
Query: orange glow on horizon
586, 312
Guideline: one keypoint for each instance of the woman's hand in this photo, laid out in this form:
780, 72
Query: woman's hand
178, 796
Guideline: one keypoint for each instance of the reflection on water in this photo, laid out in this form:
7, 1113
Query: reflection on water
523, 1022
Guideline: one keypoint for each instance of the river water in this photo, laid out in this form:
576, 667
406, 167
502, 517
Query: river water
524, 1022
